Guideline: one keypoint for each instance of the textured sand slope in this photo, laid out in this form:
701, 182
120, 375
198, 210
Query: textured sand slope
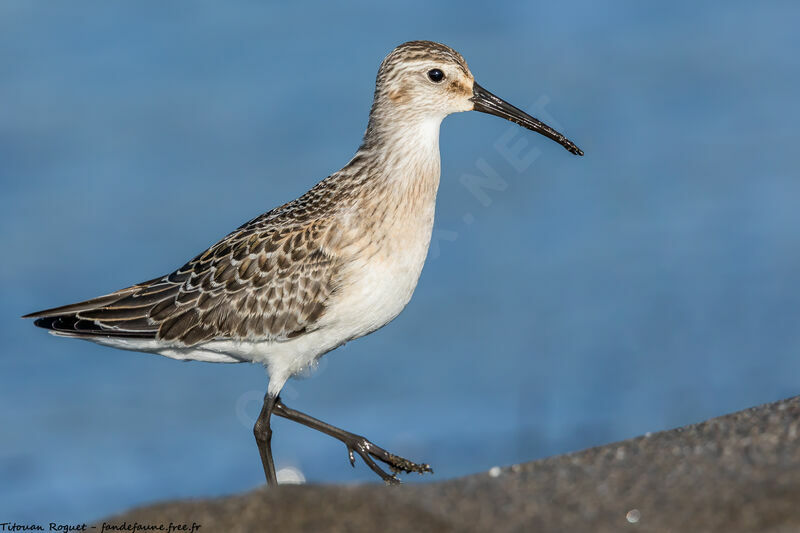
739, 472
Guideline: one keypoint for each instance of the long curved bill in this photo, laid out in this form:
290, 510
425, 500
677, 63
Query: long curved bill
486, 102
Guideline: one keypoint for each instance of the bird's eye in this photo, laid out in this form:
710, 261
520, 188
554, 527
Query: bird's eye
435, 75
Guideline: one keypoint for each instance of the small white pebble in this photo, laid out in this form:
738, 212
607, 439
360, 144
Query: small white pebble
495, 471
648, 435
633, 516
620, 453
290, 475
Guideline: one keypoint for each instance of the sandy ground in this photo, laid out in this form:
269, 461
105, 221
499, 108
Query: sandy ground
739, 472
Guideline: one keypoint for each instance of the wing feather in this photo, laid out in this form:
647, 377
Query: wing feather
90, 304
265, 281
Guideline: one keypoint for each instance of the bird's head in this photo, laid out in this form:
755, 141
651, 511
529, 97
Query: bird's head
426, 81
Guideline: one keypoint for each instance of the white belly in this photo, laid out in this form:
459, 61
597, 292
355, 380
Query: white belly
379, 288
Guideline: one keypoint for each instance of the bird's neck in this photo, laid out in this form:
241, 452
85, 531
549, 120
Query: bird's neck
403, 153
393, 179
388, 190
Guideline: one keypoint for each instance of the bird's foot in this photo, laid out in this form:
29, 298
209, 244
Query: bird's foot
367, 450
356, 444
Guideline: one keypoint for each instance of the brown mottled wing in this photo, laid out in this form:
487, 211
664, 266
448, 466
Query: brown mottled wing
262, 282
256, 285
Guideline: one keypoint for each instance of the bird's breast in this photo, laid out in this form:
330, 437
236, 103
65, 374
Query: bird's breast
387, 257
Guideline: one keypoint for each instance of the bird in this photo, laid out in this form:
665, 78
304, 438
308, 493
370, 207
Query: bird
333, 265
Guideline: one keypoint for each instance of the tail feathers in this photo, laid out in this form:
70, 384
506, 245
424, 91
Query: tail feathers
94, 303
73, 326
119, 314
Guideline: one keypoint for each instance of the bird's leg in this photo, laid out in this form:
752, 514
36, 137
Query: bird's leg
263, 434
356, 444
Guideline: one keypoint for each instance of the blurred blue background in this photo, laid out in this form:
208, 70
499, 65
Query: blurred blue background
651, 284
